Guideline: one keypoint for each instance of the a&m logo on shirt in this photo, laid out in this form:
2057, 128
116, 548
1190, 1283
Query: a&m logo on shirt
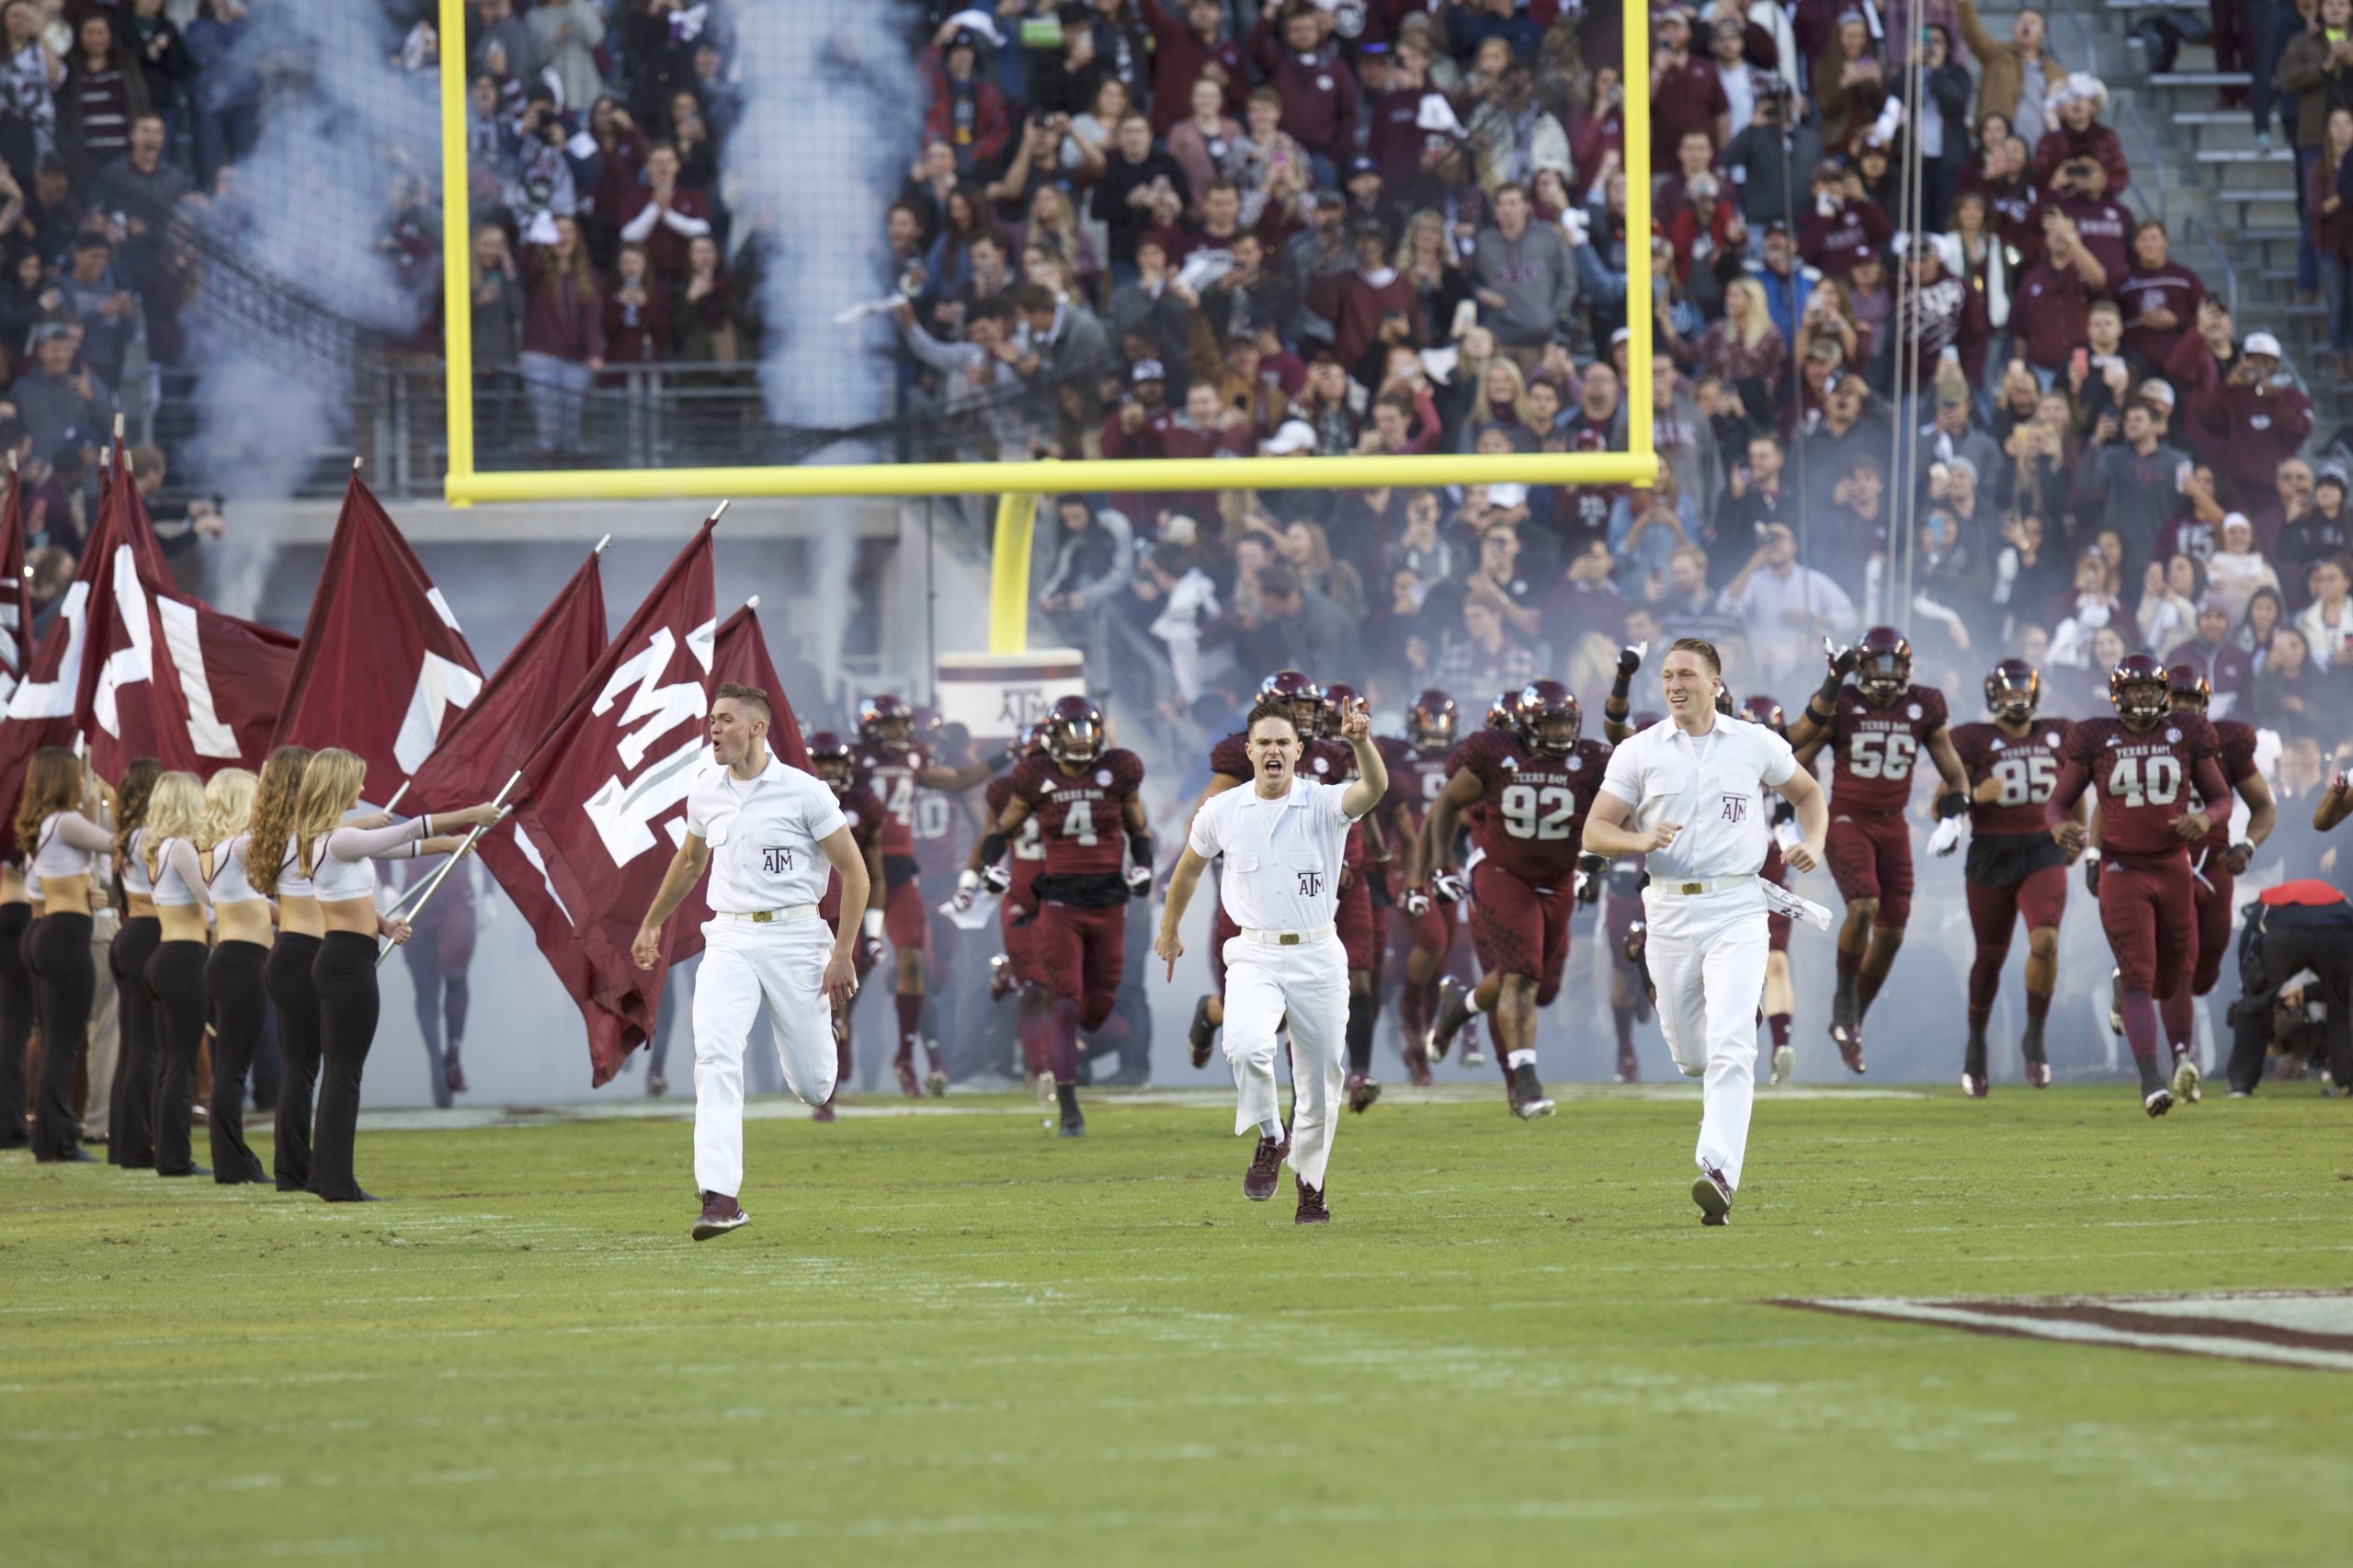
1736, 808
1311, 884
776, 860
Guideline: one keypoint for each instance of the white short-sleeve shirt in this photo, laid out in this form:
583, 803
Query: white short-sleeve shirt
1282, 856
763, 835
1711, 785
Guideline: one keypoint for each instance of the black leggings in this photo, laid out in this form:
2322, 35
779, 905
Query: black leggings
69, 979
176, 976
344, 973
16, 1022
287, 974
134, 1104
233, 978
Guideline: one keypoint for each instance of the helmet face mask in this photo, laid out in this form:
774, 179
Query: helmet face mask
1548, 717
2013, 692
1305, 696
1430, 722
2186, 690
1501, 711
1884, 669
1765, 710
829, 760
1075, 731
2138, 688
886, 723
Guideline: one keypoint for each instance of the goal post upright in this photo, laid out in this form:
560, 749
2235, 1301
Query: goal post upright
465, 483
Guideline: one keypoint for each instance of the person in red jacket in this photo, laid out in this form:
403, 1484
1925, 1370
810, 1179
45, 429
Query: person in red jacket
961, 108
1839, 227
1356, 302
2247, 422
1318, 93
663, 215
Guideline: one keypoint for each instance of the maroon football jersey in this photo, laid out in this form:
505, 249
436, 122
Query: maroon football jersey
1231, 757
1874, 749
892, 775
2143, 779
1414, 780
2237, 744
864, 815
1536, 805
1080, 819
943, 833
1026, 855
2027, 768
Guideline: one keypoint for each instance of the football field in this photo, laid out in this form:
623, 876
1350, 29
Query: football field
948, 1338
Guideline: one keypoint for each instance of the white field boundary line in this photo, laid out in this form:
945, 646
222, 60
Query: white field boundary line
2091, 1324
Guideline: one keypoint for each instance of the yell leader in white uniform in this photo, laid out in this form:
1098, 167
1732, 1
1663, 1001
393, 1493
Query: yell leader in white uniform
776, 830
1685, 792
1282, 840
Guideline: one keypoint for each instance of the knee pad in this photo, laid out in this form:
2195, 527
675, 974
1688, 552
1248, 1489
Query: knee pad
1893, 913
1095, 1010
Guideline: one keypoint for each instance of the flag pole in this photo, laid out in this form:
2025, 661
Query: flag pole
434, 882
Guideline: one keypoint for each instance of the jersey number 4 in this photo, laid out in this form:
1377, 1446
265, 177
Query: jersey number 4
1078, 821
2152, 780
1872, 754
1531, 812
2025, 780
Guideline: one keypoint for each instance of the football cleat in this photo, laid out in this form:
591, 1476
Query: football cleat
1529, 1100
2186, 1079
1073, 1125
1311, 1210
1362, 1092
1472, 1055
1974, 1086
1453, 1012
1259, 1181
2115, 1001
719, 1215
1203, 1033
909, 1085
2038, 1075
936, 1084
2157, 1102
1713, 1195
1850, 1049
656, 1086
1417, 1066
1785, 1062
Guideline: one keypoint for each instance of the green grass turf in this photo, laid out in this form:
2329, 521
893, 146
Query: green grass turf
952, 1339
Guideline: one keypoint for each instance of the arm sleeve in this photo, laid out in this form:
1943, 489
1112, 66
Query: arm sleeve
78, 831
353, 844
1203, 841
637, 228
2216, 789
678, 222
823, 815
1623, 780
2073, 779
1780, 764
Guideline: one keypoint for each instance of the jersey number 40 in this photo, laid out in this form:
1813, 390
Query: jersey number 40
2145, 780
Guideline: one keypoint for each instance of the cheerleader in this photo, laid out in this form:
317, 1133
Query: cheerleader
175, 969
337, 859
269, 864
59, 815
15, 998
133, 1099
233, 975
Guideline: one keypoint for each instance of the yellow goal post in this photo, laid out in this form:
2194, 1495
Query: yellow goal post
466, 484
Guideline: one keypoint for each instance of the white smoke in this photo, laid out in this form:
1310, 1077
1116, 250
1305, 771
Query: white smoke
305, 216
830, 114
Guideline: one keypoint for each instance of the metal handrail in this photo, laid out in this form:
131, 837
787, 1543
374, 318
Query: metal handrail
2194, 227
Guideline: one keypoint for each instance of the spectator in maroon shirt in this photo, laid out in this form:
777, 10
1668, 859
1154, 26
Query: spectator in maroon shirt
663, 215
1356, 302
1840, 228
2160, 297
637, 313
2248, 422
2077, 103
1184, 52
1686, 93
1319, 94
563, 338
2052, 302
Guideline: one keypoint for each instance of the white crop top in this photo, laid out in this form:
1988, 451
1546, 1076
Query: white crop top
343, 873
291, 883
68, 841
179, 875
134, 865
32, 884
230, 882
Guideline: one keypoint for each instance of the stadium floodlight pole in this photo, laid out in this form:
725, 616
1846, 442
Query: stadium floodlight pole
457, 252
432, 884
1641, 418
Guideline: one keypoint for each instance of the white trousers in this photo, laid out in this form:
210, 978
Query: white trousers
1707, 957
1310, 983
745, 968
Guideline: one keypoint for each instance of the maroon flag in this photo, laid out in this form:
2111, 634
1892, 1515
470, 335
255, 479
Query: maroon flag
603, 799
15, 601
741, 659
493, 736
384, 669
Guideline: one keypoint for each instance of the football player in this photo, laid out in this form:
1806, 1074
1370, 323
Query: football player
1781, 996
1017, 915
1089, 816
1416, 773
1330, 758
1537, 781
892, 764
2158, 784
2014, 867
829, 759
1876, 730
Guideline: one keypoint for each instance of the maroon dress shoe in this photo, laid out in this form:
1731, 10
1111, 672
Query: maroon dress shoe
1311, 1210
719, 1215
1266, 1168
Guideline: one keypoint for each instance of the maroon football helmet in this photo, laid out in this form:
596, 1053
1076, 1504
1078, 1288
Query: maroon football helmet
1033, 740
2188, 688
829, 760
2138, 687
1074, 730
1340, 699
1765, 710
1305, 696
1886, 667
1548, 717
1645, 719
928, 721
886, 723
1499, 712
1429, 722
2012, 691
